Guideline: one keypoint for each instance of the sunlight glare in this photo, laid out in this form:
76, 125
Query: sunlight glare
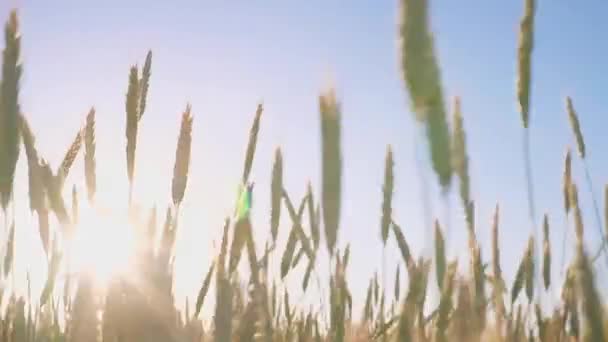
103, 245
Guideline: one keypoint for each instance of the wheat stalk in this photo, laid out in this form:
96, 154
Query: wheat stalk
387, 199
253, 138
422, 79
9, 108
578, 216
131, 108
546, 253
10, 251
440, 259
576, 127
524, 76
566, 183
68, 159
276, 194
498, 285
580, 143
182, 158
524, 59
461, 163
203, 291
89, 155
144, 84
331, 166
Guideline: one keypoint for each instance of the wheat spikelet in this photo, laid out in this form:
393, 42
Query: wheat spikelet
368, 308
10, 251
578, 216
422, 79
397, 282
376, 288
576, 127
331, 166
440, 259
496, 269
276, 187
403, 247
238, 243
313, 218
9, 108
307, 274
461, 161
479, 296
520, 275
144, 84
253, 138
200, 299
529, 273
346, 256
289, 252
89, 155
68, 159
498, 285
524, 61
546, 253
417, 56
567, 181
252, 256
387, 199
182, 158
297, 258
131, 108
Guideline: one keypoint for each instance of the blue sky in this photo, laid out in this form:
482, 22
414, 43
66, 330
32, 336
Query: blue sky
225, 58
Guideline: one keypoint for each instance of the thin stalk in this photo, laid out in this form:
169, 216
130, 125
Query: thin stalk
596, 210
424, 192
383, 279
566, 227
531, 208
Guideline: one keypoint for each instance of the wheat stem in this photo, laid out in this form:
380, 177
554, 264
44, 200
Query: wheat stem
563, 259
424, 192
531, 207
596, 211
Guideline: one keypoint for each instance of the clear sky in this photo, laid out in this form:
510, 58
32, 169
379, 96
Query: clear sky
225, 58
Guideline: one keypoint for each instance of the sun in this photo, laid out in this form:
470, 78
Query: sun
102, 246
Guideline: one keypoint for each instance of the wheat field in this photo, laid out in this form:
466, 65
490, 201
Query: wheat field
252, 302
